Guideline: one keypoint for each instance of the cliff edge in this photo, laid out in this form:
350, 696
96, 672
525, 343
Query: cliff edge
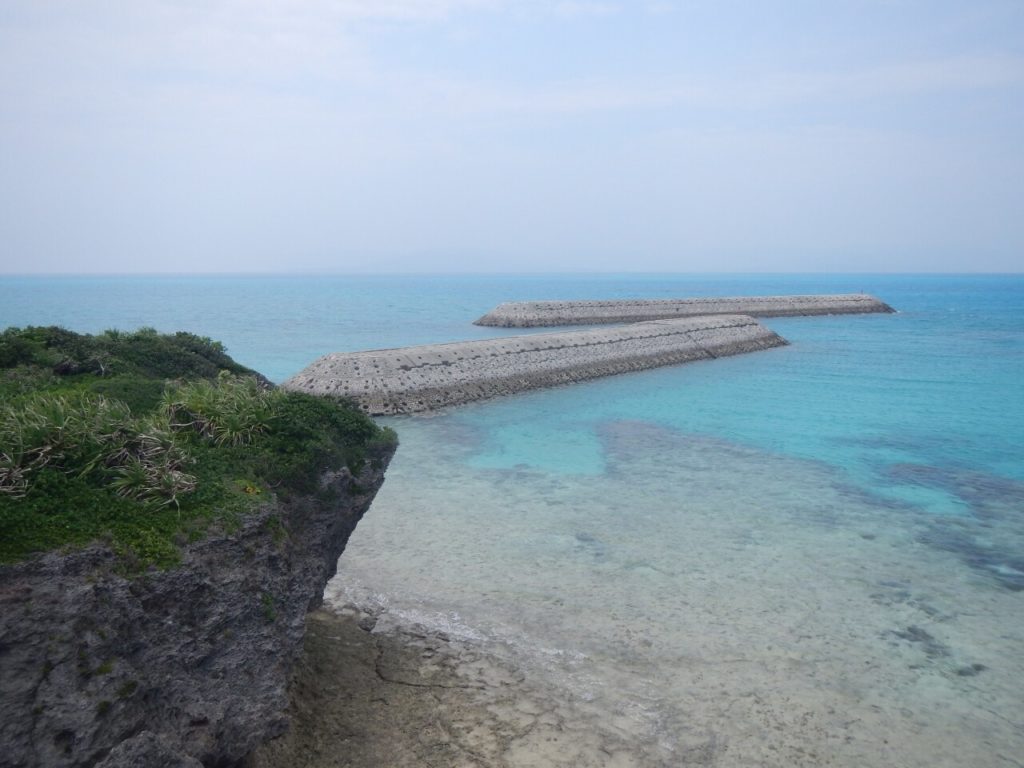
184, 666
167, 520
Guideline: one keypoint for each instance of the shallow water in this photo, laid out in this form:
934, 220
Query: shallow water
806, 556
703, 595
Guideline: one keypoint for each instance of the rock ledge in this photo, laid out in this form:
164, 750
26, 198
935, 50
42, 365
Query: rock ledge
172, 668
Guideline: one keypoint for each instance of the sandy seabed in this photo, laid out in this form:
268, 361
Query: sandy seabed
369, 693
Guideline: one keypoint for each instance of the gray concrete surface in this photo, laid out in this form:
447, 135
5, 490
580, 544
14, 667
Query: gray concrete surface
411, 379
531, 314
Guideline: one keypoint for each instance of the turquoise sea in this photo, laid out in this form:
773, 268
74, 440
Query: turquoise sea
806, 556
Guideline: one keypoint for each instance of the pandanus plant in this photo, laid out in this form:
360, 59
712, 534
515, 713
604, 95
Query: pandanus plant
141, 458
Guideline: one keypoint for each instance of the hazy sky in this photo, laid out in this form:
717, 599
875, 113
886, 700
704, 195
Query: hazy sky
511, 135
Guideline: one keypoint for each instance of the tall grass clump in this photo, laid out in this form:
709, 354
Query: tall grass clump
231, 410
90, 437
44, 429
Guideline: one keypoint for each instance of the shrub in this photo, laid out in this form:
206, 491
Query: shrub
139, 394
15, 349
146, 352
100, 435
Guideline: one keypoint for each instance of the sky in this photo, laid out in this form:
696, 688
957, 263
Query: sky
511, 136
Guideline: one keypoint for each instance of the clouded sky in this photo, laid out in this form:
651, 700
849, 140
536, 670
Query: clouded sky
511, 135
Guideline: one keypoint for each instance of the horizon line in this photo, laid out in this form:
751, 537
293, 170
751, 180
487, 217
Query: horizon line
333, 273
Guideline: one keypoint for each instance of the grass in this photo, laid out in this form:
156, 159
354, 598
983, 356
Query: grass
144, 440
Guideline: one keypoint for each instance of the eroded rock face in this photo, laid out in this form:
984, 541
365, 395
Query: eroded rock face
173, 667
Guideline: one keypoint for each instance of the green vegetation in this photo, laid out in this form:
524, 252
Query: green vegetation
268, 608
144, 440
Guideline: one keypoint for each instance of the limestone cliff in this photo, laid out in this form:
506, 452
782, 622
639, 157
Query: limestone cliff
184, 666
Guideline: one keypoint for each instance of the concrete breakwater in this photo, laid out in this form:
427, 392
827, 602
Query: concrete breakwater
411, 379
531, 314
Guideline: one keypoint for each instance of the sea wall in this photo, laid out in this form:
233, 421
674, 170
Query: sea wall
410, 379
528, 314
182, 667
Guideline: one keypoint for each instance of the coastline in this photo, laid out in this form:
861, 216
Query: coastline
917, 432
743, 625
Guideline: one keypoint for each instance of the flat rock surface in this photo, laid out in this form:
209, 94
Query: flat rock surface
366, 696
527, 314
410, 379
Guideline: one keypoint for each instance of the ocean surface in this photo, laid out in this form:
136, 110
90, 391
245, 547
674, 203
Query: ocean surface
812, 555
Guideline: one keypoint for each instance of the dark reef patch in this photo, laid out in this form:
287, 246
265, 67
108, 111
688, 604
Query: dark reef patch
1001, 562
